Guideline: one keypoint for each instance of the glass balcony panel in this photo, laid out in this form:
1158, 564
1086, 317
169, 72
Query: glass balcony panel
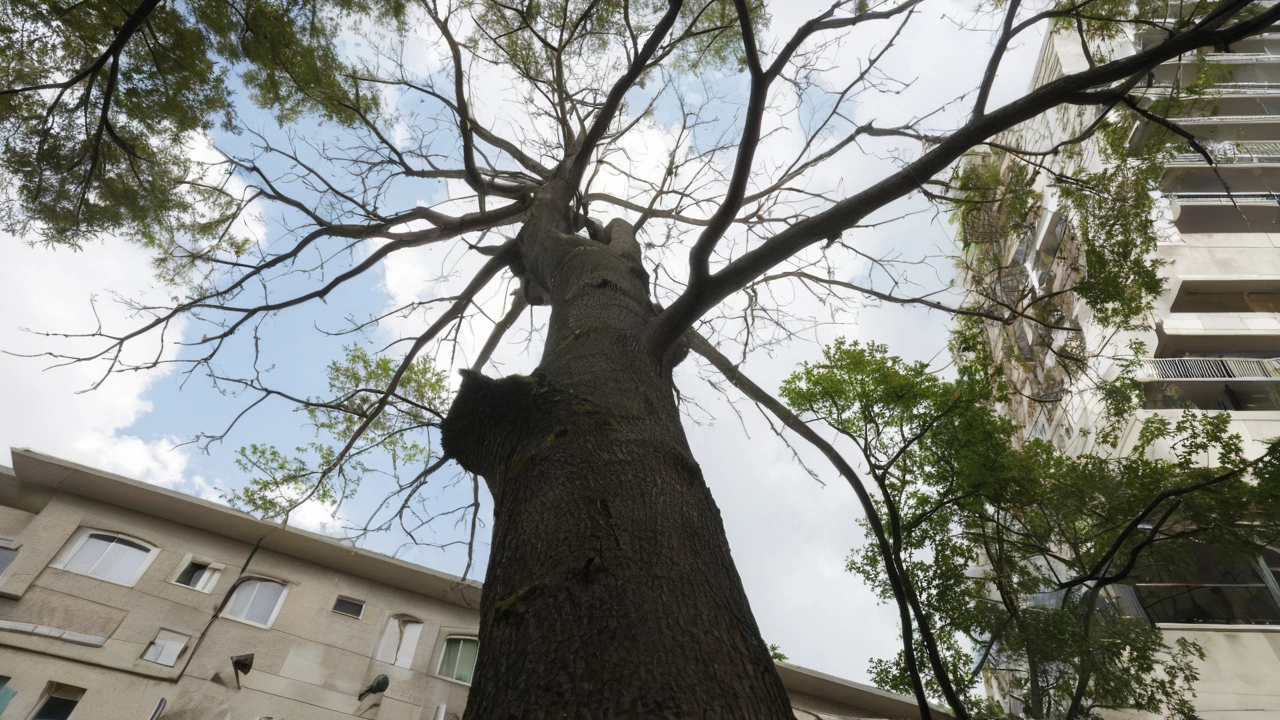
1233, 605
1238, 395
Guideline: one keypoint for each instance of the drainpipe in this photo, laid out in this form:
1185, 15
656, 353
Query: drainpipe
222, 604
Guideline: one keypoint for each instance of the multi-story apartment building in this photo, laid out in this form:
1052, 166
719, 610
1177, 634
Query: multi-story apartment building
122, 600
1213, 342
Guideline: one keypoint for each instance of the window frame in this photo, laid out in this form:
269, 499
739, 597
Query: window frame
7, 692
275, 612
82, 535
398, 620
182, 650
8, 546
348, 598
61, 691
444, 646
210, 579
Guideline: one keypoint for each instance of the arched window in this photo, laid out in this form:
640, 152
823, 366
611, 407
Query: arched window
257, 601
107, 556
399, 640
458, 661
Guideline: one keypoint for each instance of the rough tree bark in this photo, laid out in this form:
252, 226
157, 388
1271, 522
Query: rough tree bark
609, 558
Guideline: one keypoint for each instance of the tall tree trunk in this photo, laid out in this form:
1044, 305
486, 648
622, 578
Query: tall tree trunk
610, 590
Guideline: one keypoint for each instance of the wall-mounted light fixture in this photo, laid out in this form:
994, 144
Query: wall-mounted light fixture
241, 665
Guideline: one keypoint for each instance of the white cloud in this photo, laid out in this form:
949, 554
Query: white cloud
49, 291
790, 537
319, 518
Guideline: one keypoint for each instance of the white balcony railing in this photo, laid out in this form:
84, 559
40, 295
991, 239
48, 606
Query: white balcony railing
1256, 152
1208, 368
1240, 58
1244, 198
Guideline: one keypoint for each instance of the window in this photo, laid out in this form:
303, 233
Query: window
7, 556
6, 693
349, 606
166, 648
107, 556
59, 701
399, 640
459, 658
256, 601
1211, 586
199, 575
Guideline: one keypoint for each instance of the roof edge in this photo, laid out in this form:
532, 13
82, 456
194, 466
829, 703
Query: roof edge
53, 474
889, 704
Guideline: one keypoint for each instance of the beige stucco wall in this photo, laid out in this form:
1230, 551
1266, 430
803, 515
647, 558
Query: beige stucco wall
311, 663
1241, 675
111, 693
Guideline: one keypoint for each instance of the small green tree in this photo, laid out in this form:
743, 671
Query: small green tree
1010, 555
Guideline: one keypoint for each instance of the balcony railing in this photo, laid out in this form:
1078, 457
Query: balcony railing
1256, 152
1246, 198
1220, 89
1208, 368
1241, 58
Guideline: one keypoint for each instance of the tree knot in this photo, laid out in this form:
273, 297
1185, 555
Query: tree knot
490, 420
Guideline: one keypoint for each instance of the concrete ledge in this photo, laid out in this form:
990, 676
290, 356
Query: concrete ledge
51, 632
1218, 627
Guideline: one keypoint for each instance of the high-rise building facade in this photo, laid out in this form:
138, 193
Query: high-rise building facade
1211, 342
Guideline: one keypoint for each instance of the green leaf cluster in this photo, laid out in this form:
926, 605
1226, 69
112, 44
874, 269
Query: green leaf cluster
578, 47
1114, 212
328, 471
102, 106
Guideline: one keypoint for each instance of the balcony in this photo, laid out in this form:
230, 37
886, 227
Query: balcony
1208, 368
1210, 334
1256, 152
1220, 90
1235, 395
1232, 128
1236, 384
1246, 67
1148, 37
1226, 213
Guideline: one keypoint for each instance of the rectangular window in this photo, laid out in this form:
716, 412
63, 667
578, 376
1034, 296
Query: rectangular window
1233, 296
59, 701
166, 648
192, 574
6, 693
257, 601
107, 556
459, 658
399, 640
7, 556
349, 606
198, 575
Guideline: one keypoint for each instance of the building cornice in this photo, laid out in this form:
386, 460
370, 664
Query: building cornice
36, 477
